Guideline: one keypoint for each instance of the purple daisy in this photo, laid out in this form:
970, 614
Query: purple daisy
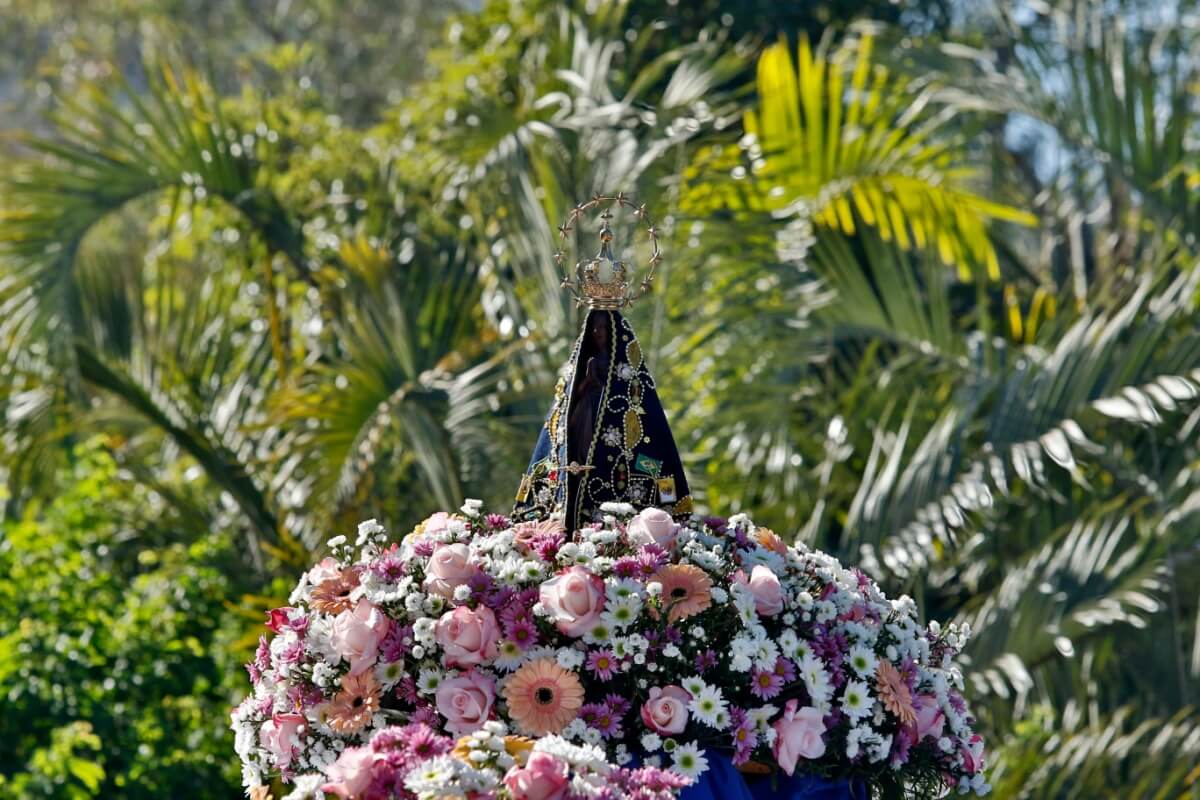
627, 567
602, 664
705, 661
601, 717
522, 633
765, 684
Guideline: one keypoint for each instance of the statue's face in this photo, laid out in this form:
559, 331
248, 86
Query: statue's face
600, 332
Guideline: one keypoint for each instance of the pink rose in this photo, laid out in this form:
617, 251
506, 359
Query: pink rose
465, 701
653, 526
277, 618
972, 753
930, 719
449, 567
666, 711
350, 775
798, 735
467, 637
357, 634
764, 585
326, 570
543, 777
437, 523
575, 599
280, 736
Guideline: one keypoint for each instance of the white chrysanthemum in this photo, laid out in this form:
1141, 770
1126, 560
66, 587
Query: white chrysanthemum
569, 658
423, 631
761, 557
878, 747
709, 707
433, 777
390, 674
307, 787
816, 681
324, 675
689, 761
508, 656
856, 700
428, 680
762, 716
618, 589
623, 612
854, 741
766, 653
602, 536
575, 729
531, 570
651, 742
862, 660
620, 647
600, 633
743, 602
693, 685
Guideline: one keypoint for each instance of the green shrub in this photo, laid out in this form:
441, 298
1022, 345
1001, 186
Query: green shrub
115, 675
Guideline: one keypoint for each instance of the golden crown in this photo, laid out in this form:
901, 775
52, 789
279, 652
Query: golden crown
602, 281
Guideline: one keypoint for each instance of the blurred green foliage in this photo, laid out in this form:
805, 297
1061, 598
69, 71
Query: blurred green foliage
115, 661
928, 302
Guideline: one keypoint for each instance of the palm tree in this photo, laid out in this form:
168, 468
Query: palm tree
1020, 463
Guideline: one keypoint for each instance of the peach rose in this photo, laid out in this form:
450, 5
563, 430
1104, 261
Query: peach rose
653, 526
280, 736
465, 701
798, 735
764, 585
666, 711
525, 532
449, 567
357, 634
543, 777
930, 719
575, 599
770, 540
350, 775
467, 637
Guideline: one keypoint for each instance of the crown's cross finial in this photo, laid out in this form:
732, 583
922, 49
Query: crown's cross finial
603, 281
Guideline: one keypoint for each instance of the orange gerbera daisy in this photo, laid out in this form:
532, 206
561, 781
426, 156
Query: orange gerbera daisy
332, 596
353, 707
543, 697
686, 590
894, 692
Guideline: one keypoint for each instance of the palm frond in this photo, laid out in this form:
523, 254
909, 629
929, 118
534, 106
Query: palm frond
842, 140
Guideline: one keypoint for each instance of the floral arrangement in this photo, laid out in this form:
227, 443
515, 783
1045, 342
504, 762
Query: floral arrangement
561, 661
